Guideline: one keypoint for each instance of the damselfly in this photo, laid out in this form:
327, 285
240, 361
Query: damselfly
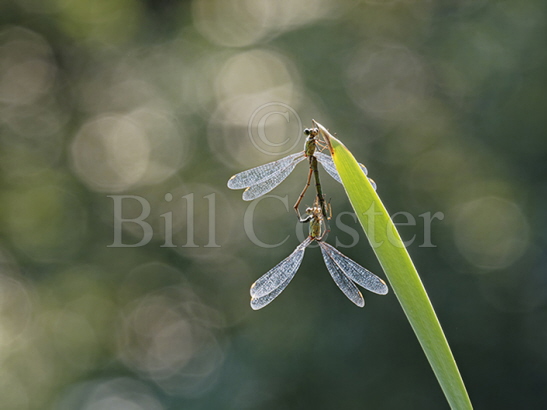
262, 179
345, 272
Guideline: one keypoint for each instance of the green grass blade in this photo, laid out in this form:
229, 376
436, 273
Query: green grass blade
400, 271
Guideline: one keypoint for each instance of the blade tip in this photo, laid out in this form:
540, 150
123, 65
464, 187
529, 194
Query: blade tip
326, 135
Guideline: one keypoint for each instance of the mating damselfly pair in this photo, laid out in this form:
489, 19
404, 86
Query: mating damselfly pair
262, 179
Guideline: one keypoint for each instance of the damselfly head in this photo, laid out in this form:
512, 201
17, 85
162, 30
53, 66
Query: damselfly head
314, 211
311, 132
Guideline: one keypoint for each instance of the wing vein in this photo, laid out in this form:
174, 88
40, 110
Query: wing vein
262, 173
280, 274
355, 272
342, 281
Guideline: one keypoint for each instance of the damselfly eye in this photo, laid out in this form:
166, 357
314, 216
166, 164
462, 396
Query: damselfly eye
307, 131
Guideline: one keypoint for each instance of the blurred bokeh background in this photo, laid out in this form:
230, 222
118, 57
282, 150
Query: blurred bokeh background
444, 101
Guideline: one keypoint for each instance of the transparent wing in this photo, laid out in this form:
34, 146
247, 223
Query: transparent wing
256, 191
327, 163
259, 303
262, 173
341, 280
363, 277
281, 274
277, 279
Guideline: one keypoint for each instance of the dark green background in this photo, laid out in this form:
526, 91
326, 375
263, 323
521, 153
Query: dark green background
444, 101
